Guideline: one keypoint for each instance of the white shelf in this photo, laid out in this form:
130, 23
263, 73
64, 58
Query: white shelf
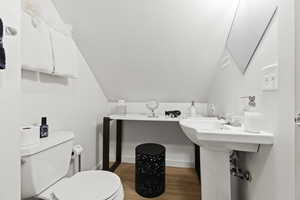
144, 117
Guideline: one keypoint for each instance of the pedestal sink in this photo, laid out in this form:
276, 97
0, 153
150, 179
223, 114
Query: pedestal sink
216, 141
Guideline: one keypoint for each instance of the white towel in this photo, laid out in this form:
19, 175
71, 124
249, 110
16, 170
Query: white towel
46, 11
65, 55
31, 7
36, 45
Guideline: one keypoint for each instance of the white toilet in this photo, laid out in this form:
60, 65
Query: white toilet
45, 165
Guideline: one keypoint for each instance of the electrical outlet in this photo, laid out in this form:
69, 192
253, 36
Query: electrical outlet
270, 78
266, 82
274, 81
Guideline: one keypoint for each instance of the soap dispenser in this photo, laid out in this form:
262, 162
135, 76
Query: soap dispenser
44, 128
193, 111
253, 120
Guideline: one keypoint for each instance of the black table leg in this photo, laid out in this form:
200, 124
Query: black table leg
197, 160
106, 143
106, 140
119, 141
118, 146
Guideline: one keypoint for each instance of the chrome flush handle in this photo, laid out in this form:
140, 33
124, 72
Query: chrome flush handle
10, 31
297, 120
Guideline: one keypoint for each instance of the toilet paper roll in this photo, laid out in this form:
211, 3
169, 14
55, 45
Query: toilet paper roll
30, 135
77, 149
254, 122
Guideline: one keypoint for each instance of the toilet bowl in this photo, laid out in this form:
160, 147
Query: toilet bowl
46, 164
88, 185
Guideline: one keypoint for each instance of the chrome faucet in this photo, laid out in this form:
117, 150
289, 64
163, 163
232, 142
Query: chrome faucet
231, 120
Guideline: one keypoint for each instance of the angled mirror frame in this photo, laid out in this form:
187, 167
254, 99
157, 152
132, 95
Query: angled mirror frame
251, 21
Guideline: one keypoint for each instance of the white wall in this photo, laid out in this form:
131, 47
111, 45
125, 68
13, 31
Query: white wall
9, 106
76, 105
140, 49
297, 140
69, 104
180, 151
272, 168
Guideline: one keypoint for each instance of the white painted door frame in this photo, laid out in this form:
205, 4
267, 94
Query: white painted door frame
285, 177
297, 97
9, 105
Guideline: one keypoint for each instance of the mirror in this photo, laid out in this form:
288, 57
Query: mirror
251, 21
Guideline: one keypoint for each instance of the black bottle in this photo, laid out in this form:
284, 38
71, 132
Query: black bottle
44, 128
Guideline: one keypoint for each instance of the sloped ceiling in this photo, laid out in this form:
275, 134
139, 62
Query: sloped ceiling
151, 49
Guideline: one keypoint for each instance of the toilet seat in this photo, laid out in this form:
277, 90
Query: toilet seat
88, 185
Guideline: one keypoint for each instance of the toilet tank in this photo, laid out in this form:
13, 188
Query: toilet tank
45, 163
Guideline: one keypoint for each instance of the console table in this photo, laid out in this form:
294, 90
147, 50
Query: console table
119, 129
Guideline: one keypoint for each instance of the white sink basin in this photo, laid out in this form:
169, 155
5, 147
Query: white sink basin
216, 141
213, 134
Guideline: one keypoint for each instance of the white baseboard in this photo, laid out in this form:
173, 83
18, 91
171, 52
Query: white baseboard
169, 163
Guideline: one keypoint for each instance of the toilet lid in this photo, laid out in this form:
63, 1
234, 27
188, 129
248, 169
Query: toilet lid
91, 185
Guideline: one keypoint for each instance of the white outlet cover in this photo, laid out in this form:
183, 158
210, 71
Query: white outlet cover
266, 85
270, 78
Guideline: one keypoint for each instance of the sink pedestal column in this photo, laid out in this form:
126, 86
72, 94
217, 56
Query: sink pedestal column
215, 179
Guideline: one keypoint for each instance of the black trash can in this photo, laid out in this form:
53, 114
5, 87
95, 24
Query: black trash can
150, 170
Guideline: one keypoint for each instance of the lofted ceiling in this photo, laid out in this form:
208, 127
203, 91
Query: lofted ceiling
151, 49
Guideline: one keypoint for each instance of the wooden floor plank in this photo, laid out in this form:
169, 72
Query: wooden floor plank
182, 184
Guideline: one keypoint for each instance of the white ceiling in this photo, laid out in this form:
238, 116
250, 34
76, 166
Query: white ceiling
144, 49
